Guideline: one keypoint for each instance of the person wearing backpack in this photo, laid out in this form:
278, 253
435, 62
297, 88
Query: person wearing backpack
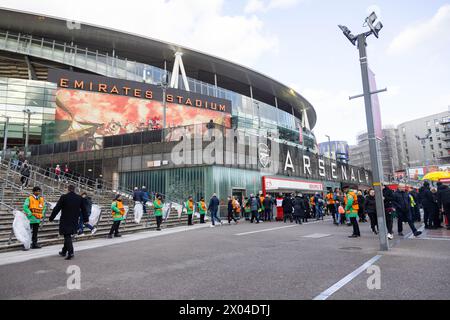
255, 206
236, 209
247, 210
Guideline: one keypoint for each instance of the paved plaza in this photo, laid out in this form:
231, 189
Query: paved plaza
245, 261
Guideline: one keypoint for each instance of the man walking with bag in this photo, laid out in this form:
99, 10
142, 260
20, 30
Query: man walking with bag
71, 206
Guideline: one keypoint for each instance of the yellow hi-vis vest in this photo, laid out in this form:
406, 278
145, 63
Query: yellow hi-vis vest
36, 206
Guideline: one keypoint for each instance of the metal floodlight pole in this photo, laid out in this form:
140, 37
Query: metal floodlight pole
375, 160
5, 136
373, 145
164, 86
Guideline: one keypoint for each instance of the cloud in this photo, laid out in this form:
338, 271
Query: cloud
434, 30
254, 6
199, 24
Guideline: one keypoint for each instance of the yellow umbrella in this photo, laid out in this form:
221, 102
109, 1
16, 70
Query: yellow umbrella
436, 176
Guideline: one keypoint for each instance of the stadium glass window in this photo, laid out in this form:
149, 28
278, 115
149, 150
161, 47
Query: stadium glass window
429, 130
431, 139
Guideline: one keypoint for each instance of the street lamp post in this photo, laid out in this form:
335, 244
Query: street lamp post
361, 43
164, 85
329, 146
5, 136
363, 160
28, 112
423, 141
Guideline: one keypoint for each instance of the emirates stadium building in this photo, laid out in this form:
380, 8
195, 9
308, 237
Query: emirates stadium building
108, 104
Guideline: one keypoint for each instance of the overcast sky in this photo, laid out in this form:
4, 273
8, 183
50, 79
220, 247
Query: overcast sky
298, 43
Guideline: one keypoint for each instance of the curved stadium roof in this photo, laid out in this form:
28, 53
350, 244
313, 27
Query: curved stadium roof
146, 50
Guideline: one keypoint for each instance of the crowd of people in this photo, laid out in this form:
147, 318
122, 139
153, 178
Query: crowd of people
346, 207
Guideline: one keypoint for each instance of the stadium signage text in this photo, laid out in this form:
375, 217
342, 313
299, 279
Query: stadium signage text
98, 84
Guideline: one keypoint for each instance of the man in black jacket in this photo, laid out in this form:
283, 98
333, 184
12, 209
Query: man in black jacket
427, 205
299, 209
268, 203
213, 208
402, 205
388, 197
287, 208
443, 199
71, 206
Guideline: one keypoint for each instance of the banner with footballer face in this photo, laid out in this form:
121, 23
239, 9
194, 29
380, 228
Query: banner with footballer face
81, 115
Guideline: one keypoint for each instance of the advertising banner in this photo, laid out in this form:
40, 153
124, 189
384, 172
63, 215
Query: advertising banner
376, 112
86, 114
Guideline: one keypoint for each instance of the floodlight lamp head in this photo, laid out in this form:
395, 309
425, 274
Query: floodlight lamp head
348, 34
372, 18
377, 29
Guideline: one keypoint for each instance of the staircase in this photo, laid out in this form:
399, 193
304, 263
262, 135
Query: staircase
12, 197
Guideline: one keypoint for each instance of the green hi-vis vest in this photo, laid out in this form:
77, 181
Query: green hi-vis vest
117, 210
188, 208
201, 207
158, 207
247, 208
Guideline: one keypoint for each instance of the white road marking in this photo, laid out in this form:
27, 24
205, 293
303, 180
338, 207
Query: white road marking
428, 238
50, 251
341, 283
264, 230
290, 226
317, 235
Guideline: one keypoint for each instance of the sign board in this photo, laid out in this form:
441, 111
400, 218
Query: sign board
272, 184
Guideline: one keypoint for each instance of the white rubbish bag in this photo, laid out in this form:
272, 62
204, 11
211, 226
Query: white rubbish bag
95, 215
52, 205
126, 208
178, 208
21, 228
138, 212
167, 207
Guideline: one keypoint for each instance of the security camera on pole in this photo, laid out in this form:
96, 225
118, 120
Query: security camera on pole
360, 42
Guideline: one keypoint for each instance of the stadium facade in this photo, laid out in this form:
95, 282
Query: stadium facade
111, 105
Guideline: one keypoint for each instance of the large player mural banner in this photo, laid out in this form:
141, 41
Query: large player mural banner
84, 115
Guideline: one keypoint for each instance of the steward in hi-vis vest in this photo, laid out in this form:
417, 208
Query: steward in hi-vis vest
351, 209
189, 209
117, 212
202, 208
34, 207
158, 205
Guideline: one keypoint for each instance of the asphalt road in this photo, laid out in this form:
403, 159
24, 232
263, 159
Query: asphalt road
233, 262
